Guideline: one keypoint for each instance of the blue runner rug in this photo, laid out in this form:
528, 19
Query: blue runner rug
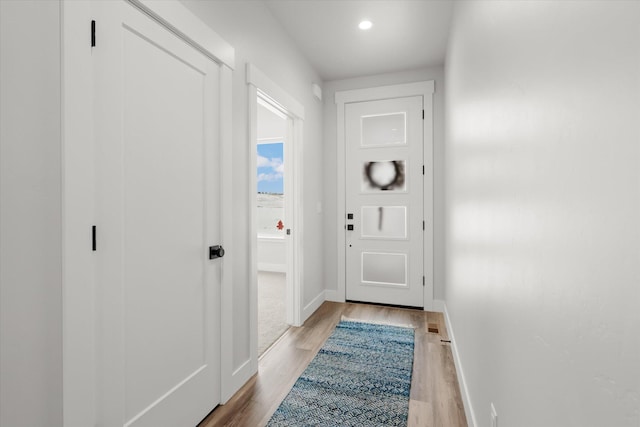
360, 377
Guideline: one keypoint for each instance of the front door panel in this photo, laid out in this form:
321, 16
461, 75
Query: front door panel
384, 200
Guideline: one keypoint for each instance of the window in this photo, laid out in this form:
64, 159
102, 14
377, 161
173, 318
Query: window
270, 197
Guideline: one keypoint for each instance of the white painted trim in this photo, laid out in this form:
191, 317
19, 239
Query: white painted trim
270, 140
341, 292
271, 267
464, 391
292, 306
310, 308
279, 96
297, 238
385, 92
78, 215
227, 381
427, 191
260, 85
190, 28
426, 90
273, 109
252, 105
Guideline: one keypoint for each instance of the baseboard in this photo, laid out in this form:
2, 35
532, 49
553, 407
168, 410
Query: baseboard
274, 268
332, 295
310, 308
464, 391
438, 305
239, 377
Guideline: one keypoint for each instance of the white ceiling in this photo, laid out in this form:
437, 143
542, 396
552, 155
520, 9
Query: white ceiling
406, 34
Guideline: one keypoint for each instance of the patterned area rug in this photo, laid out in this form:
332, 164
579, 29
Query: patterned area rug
360, 377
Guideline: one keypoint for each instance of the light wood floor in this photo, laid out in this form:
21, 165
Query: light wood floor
435, 399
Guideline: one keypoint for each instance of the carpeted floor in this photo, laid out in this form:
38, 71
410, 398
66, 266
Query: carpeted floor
271, 308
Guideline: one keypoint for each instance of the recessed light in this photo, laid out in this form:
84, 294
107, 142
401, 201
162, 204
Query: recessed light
365, 25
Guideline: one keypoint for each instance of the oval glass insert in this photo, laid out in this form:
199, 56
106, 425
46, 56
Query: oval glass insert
384, 176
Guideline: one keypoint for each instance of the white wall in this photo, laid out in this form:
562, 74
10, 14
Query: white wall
272, 254
251, 29
30, 217
330, 159
543, 210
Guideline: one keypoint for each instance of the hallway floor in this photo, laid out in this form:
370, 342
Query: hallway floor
435, 399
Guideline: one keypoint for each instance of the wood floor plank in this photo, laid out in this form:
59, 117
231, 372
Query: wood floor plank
420, 414
435, 399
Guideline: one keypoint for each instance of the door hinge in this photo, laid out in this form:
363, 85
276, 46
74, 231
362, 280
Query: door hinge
422, 169
422, 114
94, 244
423, 280
423, 224
93, 33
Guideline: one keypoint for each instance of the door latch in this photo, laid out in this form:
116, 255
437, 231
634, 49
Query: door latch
216, 251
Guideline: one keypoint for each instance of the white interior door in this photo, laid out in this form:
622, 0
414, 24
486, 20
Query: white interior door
384, 201
157, 157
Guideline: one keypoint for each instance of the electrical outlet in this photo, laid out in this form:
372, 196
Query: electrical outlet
494, 416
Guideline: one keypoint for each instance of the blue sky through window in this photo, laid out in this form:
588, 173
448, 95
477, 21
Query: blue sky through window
270, 168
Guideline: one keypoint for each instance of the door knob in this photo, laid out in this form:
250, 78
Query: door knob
216, 251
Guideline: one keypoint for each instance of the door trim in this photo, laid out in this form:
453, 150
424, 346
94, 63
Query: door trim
180, 21
426, 90
78, 184
260, 85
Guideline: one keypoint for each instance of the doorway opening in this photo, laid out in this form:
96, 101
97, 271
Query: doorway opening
265, 96
273, 222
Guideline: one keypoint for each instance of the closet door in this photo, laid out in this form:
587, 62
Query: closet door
157, 163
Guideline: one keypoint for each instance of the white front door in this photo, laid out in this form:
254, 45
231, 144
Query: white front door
384, 201
157, 168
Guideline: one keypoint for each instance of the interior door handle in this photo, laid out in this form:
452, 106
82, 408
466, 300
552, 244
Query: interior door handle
216, 251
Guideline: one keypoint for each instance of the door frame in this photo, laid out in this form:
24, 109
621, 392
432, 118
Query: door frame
426, 90
78, 194
258, 84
